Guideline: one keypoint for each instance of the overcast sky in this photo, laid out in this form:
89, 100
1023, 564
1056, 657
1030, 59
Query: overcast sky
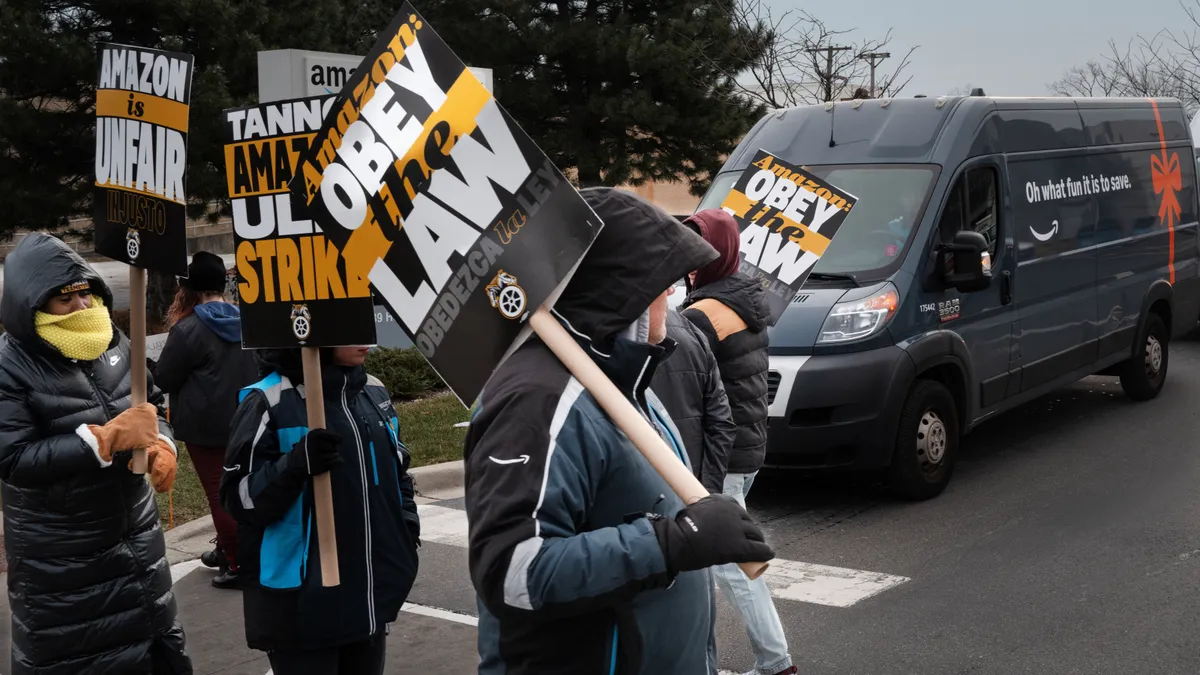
1008, 47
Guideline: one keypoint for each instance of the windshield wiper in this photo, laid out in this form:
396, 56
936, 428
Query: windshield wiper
830, 276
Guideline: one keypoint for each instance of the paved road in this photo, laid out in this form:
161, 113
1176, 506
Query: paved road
1069, 542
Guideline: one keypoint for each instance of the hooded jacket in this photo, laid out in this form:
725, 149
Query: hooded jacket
285, 604
89, 586
202, 367
689, 385
733, 313
569, 573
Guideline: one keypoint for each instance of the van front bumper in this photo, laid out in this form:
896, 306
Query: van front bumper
836, 411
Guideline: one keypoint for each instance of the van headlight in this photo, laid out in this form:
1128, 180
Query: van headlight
858, 319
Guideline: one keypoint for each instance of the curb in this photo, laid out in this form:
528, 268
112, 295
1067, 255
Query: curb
438, 481
189, 529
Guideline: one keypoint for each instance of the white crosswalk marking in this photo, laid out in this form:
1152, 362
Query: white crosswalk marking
787, 579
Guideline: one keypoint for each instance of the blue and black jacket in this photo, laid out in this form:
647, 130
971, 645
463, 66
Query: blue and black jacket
570, 575
286, 606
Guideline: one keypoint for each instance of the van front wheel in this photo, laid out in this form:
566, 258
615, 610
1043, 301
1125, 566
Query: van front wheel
1143, 376
926, 443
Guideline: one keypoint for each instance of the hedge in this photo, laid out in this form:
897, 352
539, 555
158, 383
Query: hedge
404, 372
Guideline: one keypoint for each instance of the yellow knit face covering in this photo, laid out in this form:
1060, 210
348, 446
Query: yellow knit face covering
82, 335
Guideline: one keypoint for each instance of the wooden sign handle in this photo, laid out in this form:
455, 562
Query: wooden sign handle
314, 401
622, 412
137, 353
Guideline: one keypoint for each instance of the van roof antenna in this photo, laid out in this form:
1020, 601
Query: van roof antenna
832, 107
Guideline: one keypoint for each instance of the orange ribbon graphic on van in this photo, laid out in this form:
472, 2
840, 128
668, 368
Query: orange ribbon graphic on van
1167, 181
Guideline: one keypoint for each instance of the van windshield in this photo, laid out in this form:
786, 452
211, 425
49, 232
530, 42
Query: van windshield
875, 235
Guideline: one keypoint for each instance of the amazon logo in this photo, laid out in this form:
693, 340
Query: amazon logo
1045, 236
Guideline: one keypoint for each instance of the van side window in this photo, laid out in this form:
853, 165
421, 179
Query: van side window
971, 205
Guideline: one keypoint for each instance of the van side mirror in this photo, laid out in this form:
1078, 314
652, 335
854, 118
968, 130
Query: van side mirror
968, 274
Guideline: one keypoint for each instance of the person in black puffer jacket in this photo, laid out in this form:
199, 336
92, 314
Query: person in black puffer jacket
202, 368
306, 628
731, 310
688, 382
89, 586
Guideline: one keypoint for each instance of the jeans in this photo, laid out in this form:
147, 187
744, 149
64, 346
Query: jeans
209, 463
753, 599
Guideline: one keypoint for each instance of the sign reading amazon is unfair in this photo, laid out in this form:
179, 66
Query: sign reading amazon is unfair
142, 100
787, 217
433, 193
293, 286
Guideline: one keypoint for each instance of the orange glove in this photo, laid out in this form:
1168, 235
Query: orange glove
161, 464
135, 428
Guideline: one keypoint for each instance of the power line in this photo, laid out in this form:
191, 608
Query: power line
827, 77
874, 58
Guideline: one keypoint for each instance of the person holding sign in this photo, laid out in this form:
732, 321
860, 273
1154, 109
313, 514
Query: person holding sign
731, 310
202, 367
89, 585
583, 558
306, 628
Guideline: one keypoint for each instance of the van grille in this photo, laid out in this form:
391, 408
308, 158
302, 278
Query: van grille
773, 379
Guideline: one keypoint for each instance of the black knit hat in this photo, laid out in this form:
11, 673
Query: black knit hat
206, 274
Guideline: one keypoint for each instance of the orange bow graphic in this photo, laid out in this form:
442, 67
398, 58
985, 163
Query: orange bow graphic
1167, 180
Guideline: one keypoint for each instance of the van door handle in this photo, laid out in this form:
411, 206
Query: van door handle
1006, 288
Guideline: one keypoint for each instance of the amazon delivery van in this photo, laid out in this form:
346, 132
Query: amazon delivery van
1000, 248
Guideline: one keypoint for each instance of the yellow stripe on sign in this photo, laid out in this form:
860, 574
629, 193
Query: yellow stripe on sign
261, 164
463, 103
143, 193
739, 203
813, 242
161, 111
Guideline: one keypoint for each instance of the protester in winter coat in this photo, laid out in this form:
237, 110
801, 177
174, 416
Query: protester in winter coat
689, 385
584, 560
89, 587
305, 628
731, 310
202, 367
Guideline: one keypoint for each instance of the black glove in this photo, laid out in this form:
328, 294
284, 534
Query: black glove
316, 453
713, 531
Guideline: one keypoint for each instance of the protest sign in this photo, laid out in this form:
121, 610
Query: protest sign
142, 100
787, 217
292, 284
433, 193
139, 202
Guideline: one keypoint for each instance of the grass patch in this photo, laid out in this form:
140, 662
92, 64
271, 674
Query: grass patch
427, 427
186, 498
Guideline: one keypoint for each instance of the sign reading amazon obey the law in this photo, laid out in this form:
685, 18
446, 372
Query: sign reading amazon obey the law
433, 193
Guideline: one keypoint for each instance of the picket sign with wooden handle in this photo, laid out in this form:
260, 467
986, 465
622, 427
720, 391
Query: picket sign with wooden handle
624, 415
137, 353
314, 403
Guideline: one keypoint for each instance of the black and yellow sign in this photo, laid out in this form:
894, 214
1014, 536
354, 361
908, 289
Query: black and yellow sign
434, 194
292, 282
787, 217
142, 99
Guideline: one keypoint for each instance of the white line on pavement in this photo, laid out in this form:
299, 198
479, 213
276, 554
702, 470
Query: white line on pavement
436, 613
787, 579
181, 570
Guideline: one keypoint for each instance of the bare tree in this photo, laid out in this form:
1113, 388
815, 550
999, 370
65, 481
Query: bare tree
811, 62
1163, 65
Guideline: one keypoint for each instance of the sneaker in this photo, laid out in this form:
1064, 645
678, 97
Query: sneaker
228, 579
215, 558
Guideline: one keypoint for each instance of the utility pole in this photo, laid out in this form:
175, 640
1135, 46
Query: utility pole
874, 58
827, 77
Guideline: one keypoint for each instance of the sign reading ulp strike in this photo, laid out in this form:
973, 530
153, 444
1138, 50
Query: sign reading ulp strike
434, 194
787, 218
142, 100
293, 287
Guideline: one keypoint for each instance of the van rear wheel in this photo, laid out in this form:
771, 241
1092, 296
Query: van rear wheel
926, 443
1143, 375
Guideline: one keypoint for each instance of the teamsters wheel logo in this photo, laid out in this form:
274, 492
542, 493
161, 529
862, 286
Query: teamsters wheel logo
133, 244
301, 322
506, 295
